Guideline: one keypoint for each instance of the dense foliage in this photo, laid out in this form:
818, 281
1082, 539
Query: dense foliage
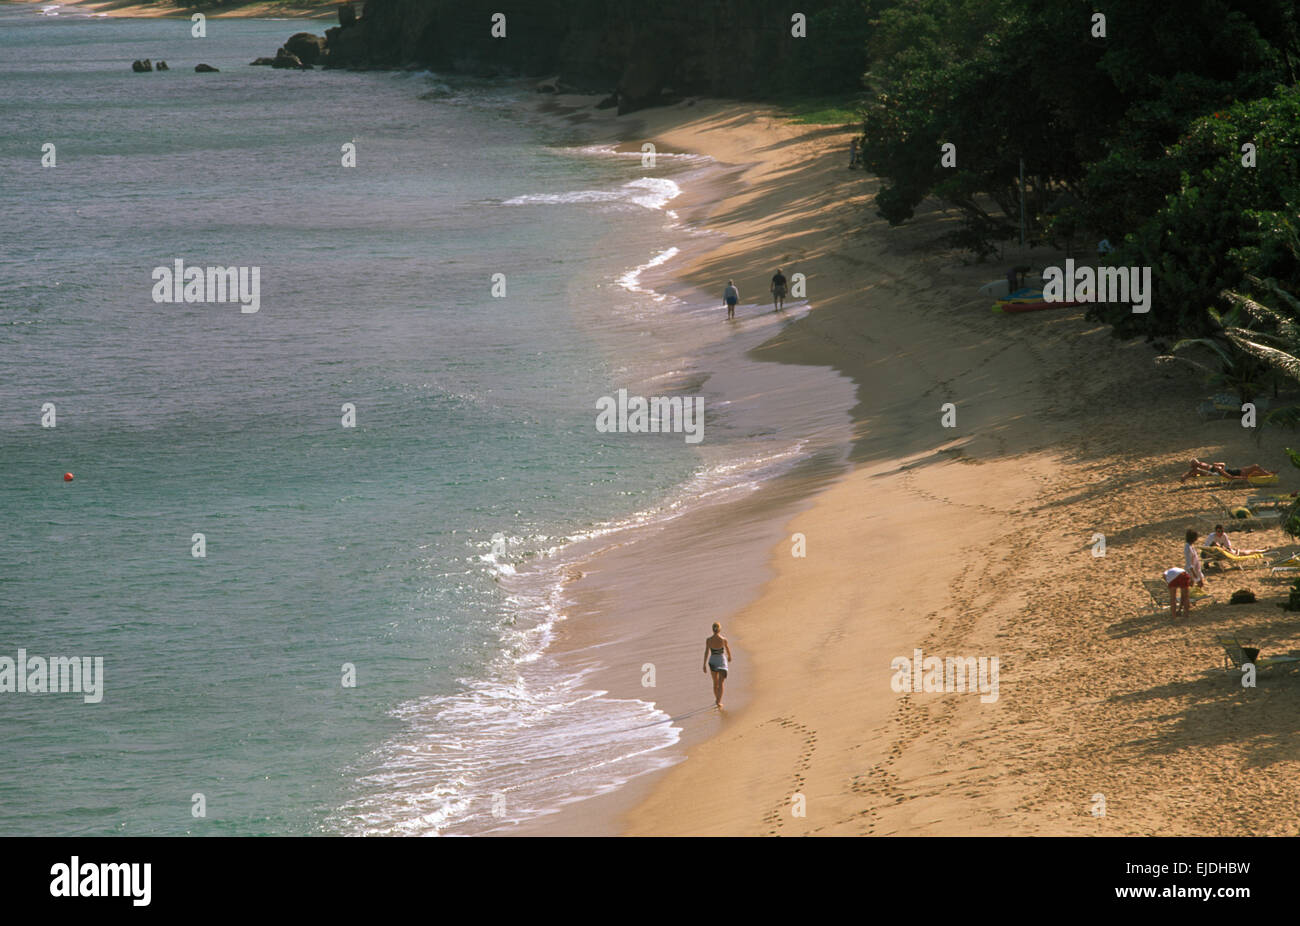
1135, 136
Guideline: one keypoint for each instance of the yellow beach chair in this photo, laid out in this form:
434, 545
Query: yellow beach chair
1228, 480
1228, 559
1286, 565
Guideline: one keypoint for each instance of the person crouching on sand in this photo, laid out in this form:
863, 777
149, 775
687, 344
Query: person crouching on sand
1179, 582
731, 296
717, 652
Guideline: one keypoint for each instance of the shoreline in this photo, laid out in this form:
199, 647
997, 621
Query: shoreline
641, 600
623, 616
973, 541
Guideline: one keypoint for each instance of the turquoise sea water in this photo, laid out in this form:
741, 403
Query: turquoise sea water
326, 545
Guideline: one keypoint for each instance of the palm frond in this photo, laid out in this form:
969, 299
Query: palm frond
1210, 343
1276, 289
1170, 359
1262, 313
1287, 416
1285, 363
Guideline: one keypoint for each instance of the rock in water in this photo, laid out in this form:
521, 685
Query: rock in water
141, 66
266, 62
284, 59
205, 69
309, 48
161, 66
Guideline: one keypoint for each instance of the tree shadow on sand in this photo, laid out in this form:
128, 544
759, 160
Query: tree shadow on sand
1218, 711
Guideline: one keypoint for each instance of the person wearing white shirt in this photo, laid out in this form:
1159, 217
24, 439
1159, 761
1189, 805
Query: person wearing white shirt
1180, 580
1192, 559
1218, 538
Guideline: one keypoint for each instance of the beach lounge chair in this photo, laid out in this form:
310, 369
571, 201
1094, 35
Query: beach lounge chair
1288, 564
1272, 509
1159, 590
1227, 405
1270, 480
1237, 651
1274, 500
1223, 513
1229, 560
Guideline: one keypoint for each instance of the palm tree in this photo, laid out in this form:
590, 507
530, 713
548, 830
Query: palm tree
1238, 370
1279, 349
1287, 334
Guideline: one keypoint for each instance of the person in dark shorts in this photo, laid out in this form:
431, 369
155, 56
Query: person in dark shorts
731, 296
778, 290
717, 652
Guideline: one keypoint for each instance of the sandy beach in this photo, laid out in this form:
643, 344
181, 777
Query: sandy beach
972, 541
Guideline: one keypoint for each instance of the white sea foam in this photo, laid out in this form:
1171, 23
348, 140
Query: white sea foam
647, 192
631, 281
612, 151
532, 736
507, 748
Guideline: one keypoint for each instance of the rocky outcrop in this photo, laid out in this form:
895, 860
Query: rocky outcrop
142, 66
206, 69
161, 66
262, 62
286, 59
309, 49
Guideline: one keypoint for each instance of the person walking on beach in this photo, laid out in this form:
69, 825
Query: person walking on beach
731, 296
717, 652
778, 290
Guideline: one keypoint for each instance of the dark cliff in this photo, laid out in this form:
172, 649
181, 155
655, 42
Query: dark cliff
735, 48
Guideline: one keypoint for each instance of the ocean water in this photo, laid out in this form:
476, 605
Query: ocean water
425, 547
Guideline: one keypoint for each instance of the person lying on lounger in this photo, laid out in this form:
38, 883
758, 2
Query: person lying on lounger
1218, 538
1201, 468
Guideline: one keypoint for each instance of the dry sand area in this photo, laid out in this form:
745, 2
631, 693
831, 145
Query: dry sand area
974, 541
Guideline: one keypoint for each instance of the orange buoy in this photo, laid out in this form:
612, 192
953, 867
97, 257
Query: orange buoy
67, 477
